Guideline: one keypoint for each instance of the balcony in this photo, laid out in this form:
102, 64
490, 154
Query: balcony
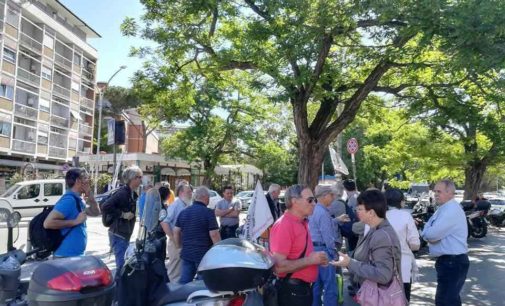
59, 122
28, 77
63, 62
86, 129
87, 103
26, 111
61, 91
30, 43
23, 146
88, 76
57, 152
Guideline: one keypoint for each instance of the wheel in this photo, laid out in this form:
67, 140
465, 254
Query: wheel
479, 232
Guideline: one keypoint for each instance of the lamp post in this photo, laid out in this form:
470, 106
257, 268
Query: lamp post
99, 134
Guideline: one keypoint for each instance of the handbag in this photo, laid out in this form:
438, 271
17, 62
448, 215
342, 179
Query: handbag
270, 289
372, 294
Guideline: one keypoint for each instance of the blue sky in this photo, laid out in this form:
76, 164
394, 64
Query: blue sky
105, 17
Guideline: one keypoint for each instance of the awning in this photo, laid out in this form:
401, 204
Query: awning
75, 114
183, 172
167, 171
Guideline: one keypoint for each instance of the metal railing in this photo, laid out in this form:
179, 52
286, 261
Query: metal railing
26, 111
87, 102
57, 152
30, 43
89, 76
86, 129
59, 121
23, 146
64, 92
27, 76
64, 62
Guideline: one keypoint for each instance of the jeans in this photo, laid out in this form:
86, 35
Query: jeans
228, 231
451, 275
326, 284
188, 271
118, 246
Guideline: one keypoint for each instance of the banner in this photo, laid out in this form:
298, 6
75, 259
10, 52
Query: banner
111, 128
259, 217
338, 163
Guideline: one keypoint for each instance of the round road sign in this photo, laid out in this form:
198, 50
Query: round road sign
352, 146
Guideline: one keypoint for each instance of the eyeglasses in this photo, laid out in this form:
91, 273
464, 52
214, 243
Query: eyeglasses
310, 199
139, 177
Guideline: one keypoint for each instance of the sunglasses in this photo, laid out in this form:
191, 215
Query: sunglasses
310, 199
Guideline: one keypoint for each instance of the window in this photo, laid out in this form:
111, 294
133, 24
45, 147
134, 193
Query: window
42, 138
48, 41
47, 73
53, 189
75, 86
44, 105
12, 17
5, 125
6, 91
29, 192
77, 59
10, 55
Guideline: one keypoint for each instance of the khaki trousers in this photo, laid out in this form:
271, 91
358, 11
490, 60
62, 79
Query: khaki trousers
174, 262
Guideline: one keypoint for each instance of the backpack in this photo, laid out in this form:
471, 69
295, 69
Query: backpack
107, 219
346, 228
47, 240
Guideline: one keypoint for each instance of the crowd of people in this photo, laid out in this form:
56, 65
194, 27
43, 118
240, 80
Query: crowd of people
315, 234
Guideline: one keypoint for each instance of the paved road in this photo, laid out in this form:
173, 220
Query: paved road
484, 284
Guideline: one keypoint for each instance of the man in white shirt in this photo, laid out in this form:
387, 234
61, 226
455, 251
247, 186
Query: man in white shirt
446, 233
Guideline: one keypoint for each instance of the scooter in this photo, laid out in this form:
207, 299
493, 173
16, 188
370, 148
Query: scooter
476, 217
496, 217
70, 281
232, 271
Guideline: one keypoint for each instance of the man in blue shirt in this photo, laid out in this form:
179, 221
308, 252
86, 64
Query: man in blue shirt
446, 233
68, 219
183, 200
198, 227
322, 232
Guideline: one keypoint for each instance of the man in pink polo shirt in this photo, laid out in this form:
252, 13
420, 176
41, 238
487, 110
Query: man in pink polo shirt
291, 246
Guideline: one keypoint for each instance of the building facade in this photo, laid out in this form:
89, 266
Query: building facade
47, 85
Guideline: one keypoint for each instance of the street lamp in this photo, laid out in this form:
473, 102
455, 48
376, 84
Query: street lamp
100, 106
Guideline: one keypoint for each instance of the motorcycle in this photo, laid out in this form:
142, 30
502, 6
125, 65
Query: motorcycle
476, 217
70, 281
496, 217
232, 270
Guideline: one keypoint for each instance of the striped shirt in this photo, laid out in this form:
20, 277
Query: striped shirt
195, 222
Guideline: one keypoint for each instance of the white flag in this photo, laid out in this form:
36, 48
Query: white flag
338, 163
259, 217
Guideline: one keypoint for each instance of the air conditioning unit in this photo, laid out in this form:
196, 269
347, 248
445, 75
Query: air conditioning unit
29, 102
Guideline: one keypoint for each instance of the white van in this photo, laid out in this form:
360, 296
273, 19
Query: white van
28, 198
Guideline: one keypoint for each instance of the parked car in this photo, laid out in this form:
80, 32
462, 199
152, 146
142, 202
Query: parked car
245, 198
28, 198
214, 198
497, 203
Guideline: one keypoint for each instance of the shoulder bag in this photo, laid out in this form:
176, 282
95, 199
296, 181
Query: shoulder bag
372, 294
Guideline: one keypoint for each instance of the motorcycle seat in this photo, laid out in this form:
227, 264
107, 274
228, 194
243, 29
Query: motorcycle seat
179, 293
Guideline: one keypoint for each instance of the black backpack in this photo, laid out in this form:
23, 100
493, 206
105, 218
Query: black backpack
47, 240
108, 219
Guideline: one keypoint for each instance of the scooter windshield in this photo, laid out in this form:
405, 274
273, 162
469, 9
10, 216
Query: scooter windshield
5, 218
151, 213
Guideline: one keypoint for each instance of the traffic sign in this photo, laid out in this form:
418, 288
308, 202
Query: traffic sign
352, 146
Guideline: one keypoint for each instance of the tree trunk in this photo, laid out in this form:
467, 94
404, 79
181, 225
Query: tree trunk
310, 155
474, 174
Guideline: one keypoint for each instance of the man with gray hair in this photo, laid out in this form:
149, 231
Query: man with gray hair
296, 262
183, 200
322, 232
446, 232
198, 227
273, 201
120, 209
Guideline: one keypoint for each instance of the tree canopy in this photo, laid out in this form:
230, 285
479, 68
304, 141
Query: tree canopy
318, 54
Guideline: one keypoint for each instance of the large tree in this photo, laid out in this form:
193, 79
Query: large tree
318, 54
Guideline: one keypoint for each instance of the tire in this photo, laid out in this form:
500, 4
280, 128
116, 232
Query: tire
479, 232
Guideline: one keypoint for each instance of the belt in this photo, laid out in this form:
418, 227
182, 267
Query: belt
451, 256
318, 244
296, 282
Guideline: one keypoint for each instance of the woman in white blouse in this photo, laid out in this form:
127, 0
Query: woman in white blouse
405, 227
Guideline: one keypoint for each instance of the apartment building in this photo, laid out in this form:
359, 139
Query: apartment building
47, 85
